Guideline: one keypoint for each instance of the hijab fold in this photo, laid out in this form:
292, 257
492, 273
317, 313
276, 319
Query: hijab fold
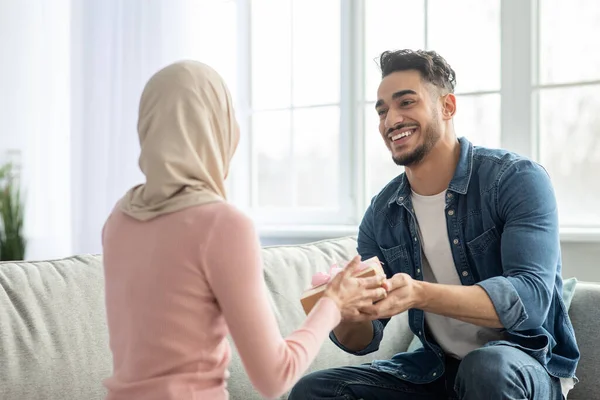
188, 134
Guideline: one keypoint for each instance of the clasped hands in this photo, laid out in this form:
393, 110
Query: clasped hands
380, 297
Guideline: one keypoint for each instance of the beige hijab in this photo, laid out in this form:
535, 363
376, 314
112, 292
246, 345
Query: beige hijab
188, 134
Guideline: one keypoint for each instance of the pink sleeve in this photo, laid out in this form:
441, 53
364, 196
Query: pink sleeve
234, 271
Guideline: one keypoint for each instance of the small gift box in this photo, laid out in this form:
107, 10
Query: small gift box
370, 267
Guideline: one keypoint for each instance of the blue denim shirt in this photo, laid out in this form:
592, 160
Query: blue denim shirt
502, 221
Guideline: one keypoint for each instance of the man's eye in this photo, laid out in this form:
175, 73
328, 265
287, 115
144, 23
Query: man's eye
406, 103
381, 112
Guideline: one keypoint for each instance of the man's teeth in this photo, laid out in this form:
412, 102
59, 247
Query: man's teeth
402, 134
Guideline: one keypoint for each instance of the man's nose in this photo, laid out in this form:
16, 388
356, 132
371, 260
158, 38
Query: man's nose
393, 118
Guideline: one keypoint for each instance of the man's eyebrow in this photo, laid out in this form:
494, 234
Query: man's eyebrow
395, 96
401, 93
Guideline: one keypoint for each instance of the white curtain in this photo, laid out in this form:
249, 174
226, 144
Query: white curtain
75, 73
34, 110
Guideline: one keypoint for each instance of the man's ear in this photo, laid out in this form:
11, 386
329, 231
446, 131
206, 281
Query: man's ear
448, 106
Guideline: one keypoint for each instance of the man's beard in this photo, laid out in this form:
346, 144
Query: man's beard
431, 136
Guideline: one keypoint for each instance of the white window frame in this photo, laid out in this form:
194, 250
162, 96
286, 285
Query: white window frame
519, 32
243, 185
519, 100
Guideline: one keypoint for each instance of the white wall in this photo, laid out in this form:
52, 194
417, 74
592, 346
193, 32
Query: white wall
581, 260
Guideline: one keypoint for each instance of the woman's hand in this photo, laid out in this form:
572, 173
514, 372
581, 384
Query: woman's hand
351, 293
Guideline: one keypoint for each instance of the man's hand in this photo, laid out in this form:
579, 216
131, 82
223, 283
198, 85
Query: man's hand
351, 293
403, 294
466, 303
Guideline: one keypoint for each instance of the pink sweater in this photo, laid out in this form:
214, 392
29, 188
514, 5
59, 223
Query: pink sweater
175, 287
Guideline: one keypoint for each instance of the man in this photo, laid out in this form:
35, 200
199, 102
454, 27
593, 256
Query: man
469, 237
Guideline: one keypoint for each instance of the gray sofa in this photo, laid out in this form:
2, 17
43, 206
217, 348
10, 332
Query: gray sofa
54, 342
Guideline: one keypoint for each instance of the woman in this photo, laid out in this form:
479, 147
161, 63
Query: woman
183, 267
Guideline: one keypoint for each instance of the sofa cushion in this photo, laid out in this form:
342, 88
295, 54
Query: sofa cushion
53, 334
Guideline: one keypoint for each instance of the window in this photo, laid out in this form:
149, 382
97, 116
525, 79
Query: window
314, 156
293, 112
568, 94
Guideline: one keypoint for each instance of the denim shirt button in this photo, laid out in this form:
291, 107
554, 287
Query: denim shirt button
418, 270
465, 273
455, 241
415, 238
451, 212
435, 374
419, 333
449, 195
400, 198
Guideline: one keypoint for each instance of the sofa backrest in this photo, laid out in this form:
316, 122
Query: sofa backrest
585, 316
53, 335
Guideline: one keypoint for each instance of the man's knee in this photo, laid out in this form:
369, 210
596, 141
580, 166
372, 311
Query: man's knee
484, 364
492, 371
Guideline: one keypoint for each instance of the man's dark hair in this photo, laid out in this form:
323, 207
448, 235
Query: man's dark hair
433, 68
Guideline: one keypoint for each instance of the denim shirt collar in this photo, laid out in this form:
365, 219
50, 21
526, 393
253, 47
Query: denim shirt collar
458, 184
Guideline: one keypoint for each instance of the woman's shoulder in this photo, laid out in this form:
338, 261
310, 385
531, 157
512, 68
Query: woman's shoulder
229, 226
224, 214
211, 217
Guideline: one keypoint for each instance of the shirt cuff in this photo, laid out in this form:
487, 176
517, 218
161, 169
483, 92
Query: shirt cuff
506, 301
371, 347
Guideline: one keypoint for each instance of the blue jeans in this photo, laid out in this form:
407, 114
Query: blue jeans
495, 372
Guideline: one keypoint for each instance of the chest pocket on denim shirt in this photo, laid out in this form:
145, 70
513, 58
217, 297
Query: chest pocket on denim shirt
485, 253
397, 259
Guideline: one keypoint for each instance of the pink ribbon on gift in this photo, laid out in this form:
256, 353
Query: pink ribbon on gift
321, 278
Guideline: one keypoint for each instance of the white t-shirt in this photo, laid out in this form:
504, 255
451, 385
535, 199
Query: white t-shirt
456, 338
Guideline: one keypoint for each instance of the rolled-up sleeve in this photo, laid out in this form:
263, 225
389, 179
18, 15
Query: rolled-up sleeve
378, 327
530, 247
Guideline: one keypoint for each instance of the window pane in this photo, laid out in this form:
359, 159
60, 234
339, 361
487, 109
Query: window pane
568, 50
380, 168
470, 44
570, 151
478, 119
271, 53
316, 52
317, 156
390, 25
272, 133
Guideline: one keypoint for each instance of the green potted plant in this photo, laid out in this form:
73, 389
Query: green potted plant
12, 241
